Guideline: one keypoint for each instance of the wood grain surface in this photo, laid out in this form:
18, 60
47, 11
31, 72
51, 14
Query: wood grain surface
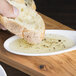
57, 65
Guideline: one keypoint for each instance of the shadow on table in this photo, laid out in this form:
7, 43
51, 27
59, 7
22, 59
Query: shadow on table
11, 71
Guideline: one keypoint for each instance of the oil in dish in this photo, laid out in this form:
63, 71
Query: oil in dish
51, 43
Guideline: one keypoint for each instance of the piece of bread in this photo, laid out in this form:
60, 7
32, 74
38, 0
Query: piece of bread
29, 3
18, 1
28, 25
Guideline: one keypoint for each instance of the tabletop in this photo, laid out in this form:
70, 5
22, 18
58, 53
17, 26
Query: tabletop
57, 65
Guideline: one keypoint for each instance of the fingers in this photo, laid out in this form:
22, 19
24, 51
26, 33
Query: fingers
2, 27
12, 13
8, 10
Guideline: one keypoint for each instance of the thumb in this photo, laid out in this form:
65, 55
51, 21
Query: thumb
8, 10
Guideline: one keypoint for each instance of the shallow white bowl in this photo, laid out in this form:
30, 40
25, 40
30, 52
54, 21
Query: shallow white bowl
67, 33
2, 71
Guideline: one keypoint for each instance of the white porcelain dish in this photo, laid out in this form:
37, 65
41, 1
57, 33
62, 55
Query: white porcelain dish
66, 33
2, 71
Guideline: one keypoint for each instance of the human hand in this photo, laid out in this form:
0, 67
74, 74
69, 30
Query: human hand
7, 10
2, 27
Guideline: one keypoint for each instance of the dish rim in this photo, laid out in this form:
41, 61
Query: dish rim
41, 54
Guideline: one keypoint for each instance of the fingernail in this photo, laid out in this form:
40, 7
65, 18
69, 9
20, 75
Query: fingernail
3, 28
15, 11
